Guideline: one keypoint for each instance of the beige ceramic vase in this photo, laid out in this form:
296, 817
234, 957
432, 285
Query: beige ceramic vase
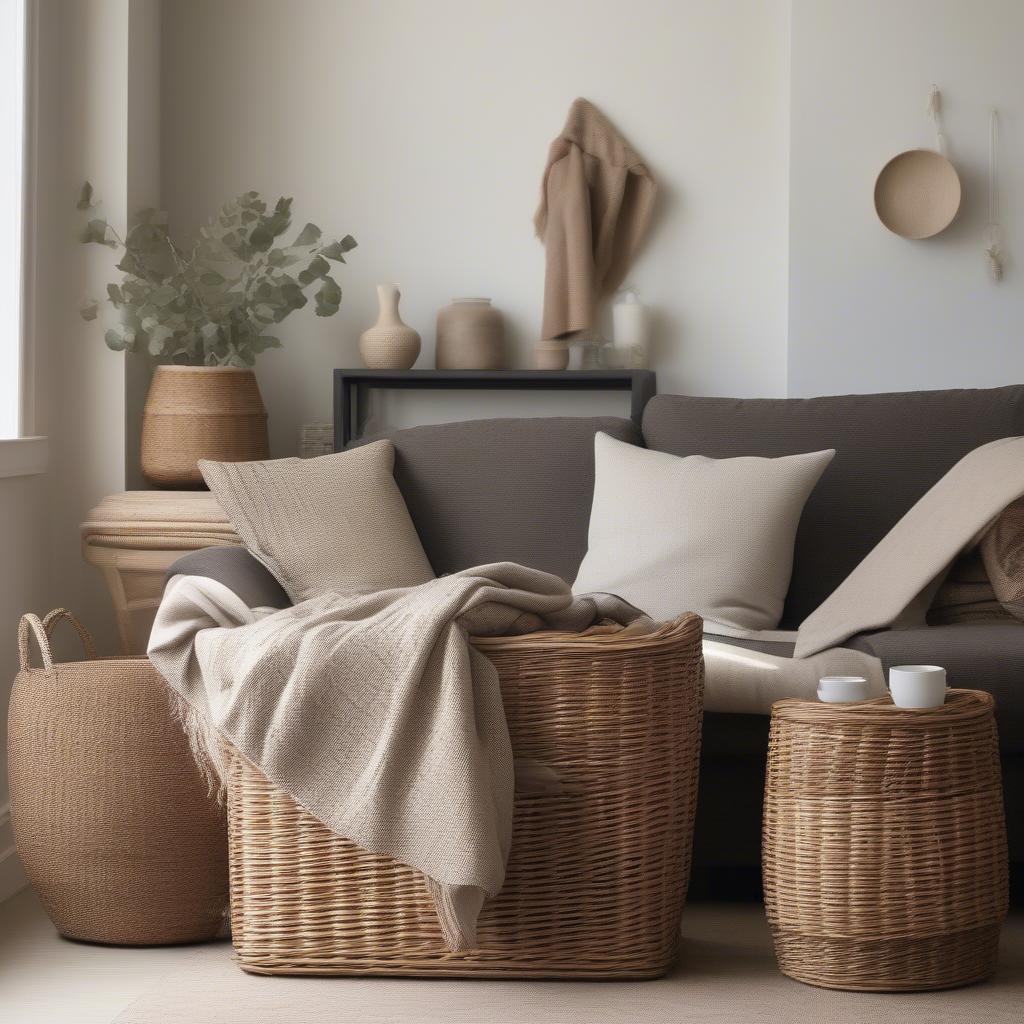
389, 344
470, 336
200, 412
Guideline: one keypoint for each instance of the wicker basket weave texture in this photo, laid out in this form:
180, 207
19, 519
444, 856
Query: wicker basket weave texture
118, 833
597, 874
885, 860
200, 412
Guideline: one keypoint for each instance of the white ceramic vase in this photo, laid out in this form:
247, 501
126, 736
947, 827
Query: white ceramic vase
632, 332
389, 344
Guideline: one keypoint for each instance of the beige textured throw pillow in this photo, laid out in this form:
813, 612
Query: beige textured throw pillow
713, 536
337, 522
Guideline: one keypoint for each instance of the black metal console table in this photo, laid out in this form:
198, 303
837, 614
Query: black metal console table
351, 388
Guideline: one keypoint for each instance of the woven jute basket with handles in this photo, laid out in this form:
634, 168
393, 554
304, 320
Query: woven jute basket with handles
112, 818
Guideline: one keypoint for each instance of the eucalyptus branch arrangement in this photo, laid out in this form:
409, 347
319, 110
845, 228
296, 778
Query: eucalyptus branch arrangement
214, 304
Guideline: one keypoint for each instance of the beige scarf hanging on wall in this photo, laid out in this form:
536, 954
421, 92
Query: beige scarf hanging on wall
597, 197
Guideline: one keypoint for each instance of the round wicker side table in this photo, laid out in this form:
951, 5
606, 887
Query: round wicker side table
884, 853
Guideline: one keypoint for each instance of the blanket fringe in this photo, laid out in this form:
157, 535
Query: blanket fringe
204, 743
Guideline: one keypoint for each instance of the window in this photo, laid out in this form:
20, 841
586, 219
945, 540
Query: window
12, 131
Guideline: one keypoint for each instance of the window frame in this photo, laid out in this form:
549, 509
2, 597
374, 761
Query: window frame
26, 454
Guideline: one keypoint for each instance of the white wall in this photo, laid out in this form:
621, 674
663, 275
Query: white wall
422, 129
24, 555
142, 189
97, 107
82, 116
870, 311
85, 90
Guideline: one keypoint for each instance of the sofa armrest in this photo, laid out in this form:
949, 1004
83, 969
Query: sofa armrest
238, 570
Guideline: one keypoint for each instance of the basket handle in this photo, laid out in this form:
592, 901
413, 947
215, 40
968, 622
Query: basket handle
42, 629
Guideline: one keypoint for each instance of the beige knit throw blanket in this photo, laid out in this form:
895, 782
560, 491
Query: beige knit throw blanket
894, 585
892, 588
374, 712
597, 197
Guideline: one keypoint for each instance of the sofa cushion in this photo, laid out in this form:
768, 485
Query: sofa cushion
977, 656
516, 490
711, 536
890, 448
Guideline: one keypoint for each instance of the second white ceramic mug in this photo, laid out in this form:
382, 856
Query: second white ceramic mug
917, 686
842, 689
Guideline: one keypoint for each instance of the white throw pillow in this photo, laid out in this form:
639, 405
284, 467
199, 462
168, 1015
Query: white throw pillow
338, 522
712, 536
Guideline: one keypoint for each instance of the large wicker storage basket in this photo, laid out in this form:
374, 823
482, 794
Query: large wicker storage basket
597, 874
885, 861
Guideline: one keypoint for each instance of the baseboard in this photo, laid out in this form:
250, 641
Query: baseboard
12, 874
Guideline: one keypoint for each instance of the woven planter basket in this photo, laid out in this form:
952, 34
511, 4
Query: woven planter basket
597, 875
200, 412
113, 821
885, 861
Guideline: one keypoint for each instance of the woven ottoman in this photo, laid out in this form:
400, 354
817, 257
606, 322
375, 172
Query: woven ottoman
597, 873
884, 854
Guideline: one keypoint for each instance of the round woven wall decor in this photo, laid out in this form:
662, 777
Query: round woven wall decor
917, 194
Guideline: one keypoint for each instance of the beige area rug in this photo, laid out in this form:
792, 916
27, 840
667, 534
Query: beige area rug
726, 975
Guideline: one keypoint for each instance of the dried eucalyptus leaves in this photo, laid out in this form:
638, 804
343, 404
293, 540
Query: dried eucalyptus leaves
212, 305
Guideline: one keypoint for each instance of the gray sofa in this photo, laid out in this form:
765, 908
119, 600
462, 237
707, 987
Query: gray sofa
520, 490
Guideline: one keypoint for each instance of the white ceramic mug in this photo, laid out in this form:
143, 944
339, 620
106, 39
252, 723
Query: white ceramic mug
917, 686
842, 689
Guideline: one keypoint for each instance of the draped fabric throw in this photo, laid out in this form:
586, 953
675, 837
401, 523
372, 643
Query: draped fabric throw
597, 197
374, 712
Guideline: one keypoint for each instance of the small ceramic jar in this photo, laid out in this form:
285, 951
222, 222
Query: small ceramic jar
550, 355
470, 336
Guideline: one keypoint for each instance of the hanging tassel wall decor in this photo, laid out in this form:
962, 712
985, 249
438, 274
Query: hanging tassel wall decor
935, 112
993, 230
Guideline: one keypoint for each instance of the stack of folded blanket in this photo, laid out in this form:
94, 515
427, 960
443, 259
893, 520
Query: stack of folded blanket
158, 521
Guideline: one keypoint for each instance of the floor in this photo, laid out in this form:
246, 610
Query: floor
47, 980
726, 974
